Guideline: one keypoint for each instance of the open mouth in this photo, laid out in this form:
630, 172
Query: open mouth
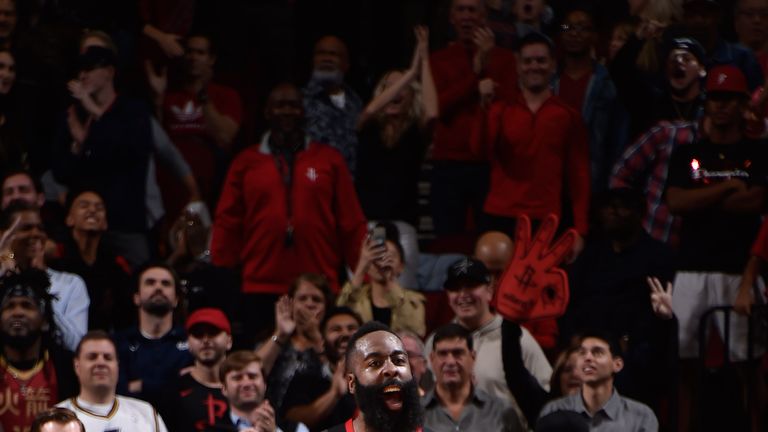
393, 397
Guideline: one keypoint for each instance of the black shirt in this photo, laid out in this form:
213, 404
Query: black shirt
193, 406
713, 239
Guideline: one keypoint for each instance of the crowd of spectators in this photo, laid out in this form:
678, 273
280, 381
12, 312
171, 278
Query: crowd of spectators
203, 201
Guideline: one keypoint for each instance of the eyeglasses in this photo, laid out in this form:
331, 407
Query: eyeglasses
575, 28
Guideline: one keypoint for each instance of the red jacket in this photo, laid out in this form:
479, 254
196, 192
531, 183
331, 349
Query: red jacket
458, 96
252, 217
533, 157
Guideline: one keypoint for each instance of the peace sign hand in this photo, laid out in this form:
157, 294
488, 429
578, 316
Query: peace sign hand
533, 287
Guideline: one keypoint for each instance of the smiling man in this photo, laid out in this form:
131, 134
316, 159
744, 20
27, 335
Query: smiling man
599, 359
97, 405
536, 145
455, 403
379, 376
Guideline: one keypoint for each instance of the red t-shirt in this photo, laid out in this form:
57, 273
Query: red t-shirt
183, 120
24, 394
573, 91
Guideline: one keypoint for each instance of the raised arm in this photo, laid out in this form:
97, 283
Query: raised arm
430, 107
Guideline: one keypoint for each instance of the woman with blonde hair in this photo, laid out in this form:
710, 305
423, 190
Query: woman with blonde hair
393, 132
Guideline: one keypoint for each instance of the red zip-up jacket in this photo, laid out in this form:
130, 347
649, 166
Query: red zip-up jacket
249, 229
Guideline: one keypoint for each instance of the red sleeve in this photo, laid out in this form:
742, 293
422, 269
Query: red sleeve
228, 103
350, 220
227, 236
577, 172
454, 89
760, 247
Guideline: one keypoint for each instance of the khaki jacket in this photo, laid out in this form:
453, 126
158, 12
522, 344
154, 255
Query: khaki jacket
407, 306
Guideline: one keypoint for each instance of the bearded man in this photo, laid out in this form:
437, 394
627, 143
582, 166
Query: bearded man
153, 352
379, 376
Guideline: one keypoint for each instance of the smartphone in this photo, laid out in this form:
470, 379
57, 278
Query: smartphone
378, 236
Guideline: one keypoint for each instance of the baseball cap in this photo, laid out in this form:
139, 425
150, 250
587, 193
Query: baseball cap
210, 316
689, 44
466, 270
726, 79
96, 57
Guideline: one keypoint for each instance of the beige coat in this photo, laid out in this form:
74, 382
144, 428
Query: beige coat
407, 306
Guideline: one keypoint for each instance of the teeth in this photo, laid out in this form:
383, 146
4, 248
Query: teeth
391, 389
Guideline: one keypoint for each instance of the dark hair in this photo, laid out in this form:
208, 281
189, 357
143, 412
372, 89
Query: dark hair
158, 264
74, 194
605, 336
212, 45
21, 171
237, 360
16, 206
392, 234
340, 310
318, 280
94, 335
58, 415
534, 38
365, 329
452, 331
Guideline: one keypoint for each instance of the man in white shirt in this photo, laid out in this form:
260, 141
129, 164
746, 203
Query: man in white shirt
97, 405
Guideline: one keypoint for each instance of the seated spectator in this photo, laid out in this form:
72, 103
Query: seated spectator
332, 107
97, 405
71, 301
321, 401
456, 404
609, 292
469, 295
106, 274
206, 285
196, 401
600, 359
382, 298
57, 420
152, 353
414, 346
202, 119
36, 371
565, 376
23, 185
296, 346
394, 131
244, 386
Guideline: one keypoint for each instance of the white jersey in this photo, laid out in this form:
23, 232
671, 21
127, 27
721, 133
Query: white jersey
125, 414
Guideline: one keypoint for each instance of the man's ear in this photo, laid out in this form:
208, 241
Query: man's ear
351, 384
136, 298
618, 364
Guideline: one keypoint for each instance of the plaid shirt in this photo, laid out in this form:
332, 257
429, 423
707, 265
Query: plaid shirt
645, 166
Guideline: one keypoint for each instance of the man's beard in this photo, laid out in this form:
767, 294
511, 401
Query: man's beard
327, 78
158, 307
371, 402
21, 342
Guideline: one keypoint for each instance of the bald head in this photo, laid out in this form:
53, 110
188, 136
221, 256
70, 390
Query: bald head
494, 249
331, 54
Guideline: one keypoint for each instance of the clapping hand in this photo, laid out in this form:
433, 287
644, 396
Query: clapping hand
661, 298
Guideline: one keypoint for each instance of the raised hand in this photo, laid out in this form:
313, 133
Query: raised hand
487, 89
484, 40
7, 258
158, 81
285, 324
422, 41
533, 287
661, 298
77, 90
170, 44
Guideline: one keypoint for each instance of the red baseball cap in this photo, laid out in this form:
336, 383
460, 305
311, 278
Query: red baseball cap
211, 316
726, 79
